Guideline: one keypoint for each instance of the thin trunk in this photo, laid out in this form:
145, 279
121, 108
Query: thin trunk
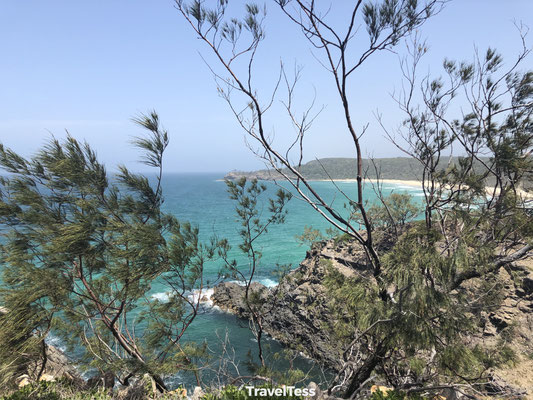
110, 324
364, 372
44, 360
259, 336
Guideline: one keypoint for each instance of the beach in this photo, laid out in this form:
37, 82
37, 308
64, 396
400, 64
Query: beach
418, 184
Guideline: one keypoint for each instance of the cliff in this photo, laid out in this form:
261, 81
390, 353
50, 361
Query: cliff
301, 315
342, 168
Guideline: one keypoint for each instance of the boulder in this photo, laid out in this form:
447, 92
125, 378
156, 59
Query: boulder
230, 296
23, 380
105, 380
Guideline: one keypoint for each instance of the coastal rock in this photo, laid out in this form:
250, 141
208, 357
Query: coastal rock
198, 393
230, 296
47, 378
300, 315
57, 365
105, 380
23, 380
60, 367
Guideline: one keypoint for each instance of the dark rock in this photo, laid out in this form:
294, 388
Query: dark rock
527, 286
105, 380
298, 315
59, 365
499, 322
230, 296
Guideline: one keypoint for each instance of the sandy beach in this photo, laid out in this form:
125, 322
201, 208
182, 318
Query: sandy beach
413, 183
418, 184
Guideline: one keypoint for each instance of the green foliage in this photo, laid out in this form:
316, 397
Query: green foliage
254, 225
310, 235
22, 342
423, 301
56, 391
423, 315
246, 196
391, 212
80, 251
403, 168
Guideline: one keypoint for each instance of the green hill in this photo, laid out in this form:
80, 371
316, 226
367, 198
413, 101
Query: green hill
403, 168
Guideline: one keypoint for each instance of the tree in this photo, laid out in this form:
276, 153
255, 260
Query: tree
407, 320
476, 222
394, 212
236, 40
81, 250
250, 215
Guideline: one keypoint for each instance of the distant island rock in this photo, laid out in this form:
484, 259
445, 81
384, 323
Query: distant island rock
398, 168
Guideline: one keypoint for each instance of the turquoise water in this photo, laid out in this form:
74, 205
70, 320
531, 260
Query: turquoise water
202, 199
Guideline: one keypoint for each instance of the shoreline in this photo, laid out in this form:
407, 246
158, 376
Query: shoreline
407, 182
489, 190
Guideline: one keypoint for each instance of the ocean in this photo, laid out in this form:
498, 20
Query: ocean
202, 199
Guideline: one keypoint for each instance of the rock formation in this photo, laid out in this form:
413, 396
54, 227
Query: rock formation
300, 316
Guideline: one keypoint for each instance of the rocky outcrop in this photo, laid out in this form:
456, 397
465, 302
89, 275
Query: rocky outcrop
56, 365
59, 366
301, 318
298, 315
230, 296
514, 314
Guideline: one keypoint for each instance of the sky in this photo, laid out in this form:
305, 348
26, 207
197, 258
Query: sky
88, 67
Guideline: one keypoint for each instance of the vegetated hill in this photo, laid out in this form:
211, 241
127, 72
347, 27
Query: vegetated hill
404, 168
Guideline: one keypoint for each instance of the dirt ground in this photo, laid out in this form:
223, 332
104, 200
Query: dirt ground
521, 375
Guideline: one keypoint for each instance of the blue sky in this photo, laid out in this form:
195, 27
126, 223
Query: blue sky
89, 66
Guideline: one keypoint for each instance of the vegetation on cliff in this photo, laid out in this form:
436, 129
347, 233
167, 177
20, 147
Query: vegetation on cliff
400, 168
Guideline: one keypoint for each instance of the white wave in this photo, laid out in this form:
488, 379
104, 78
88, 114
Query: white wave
240, 283
162, 296
406, 187
53, 340
269, 283
204, 296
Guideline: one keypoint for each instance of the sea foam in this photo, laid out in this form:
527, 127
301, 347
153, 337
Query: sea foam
204, 295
